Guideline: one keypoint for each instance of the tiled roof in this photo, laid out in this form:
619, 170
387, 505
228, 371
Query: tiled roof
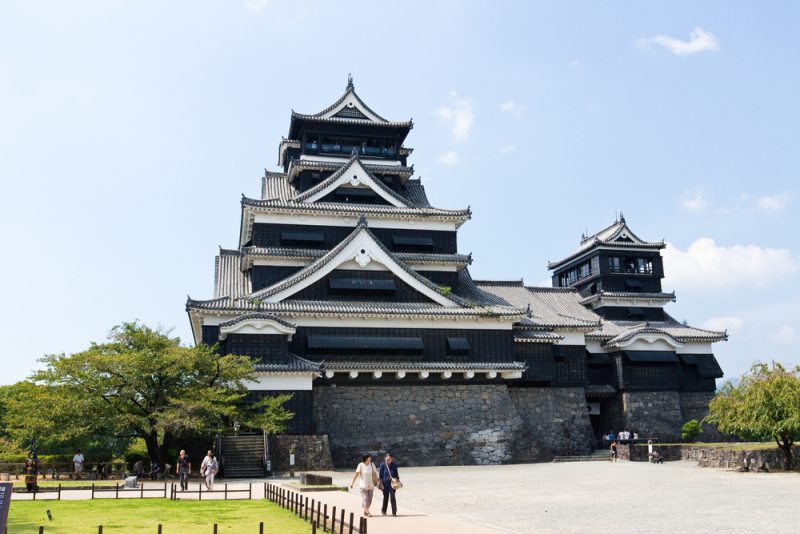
229, 280
297, 165
359, 122
659, 297
530, 335
411, 310
330, 255
276, 186
295, 365
613, 236
600, 391
349, 91
354, 160
615, 332
422, 366
549, 307
311, 254
279, 206
415, 192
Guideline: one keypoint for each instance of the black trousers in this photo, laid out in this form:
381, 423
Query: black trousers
387, 494
184, 480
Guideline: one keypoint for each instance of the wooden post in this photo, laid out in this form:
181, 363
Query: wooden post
141, 491
100, 529
92, 491
313, 527
341, 523
41, 530
260, 528
361, 524
352, 518
159, 528
312, 510
59, 491
165, 489
200, 497
226, 491
325, 519
305, 509
215, 528
333, 520
250, 492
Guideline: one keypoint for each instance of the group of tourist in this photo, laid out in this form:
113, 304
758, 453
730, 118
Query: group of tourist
385, 478
624, 435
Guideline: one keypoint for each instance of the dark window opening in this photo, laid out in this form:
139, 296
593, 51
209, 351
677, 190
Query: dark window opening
635, 313
457, 345
412, 243
361, 286
302, 238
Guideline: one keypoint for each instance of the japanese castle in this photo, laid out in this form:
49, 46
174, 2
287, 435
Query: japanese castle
348, 287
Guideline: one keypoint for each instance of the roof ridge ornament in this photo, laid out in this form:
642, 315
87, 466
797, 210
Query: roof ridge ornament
350, 86
362, 220
621, 217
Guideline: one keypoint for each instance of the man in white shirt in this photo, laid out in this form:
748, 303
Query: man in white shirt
77, 461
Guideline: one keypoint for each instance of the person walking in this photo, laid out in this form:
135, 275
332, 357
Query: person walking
77, 462
367, 477
614, 452
208, 469
389, 482
31, 471
183, 468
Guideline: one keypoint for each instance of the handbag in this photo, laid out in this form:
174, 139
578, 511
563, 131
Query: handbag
396, 484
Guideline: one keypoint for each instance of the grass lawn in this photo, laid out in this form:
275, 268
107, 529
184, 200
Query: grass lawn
143, 516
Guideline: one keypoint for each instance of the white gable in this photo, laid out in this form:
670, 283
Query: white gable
361, 251
355, 175
352, 101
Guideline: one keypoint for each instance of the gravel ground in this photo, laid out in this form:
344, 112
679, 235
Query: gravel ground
604, 497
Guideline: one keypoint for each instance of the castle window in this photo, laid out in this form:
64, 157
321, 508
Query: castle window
457, 345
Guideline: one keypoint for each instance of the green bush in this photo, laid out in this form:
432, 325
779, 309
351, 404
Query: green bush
691, 431
136, 451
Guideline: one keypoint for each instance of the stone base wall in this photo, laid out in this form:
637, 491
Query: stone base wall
727, 458
556, 417
653, 414
311, 453
694, 405
425, 425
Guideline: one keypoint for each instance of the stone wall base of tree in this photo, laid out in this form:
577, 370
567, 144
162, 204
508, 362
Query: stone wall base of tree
311, 453
557, 417
733, 459
425, 425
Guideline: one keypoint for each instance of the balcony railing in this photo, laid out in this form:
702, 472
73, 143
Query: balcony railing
336, 148
630, 270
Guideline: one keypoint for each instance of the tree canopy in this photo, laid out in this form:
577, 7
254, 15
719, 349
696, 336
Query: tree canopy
765, 405
140, 384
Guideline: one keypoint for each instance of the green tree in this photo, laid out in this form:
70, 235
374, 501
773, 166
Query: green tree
140, 384
691, 431
765, 405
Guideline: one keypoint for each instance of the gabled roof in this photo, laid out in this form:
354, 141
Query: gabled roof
614, 333
348, 109
414, 258
362, 247
616, 235
302, 164
611, 296
354, 174
548, 307
229, 280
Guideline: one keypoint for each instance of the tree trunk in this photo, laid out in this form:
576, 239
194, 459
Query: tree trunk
787, 451
153, 449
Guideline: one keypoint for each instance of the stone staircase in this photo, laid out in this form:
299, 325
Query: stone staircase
597, 456
243, 456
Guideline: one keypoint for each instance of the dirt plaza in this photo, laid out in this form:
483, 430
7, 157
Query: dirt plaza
595, 497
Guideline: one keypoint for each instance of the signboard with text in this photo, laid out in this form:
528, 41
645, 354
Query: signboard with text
5, 503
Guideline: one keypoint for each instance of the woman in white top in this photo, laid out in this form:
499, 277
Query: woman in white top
367, 477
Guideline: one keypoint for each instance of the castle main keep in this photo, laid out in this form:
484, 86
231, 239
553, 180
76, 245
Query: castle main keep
348, 286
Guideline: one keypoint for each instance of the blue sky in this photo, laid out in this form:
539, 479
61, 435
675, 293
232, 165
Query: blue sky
128, 131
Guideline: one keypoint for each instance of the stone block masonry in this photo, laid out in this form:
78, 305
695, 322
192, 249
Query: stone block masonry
425, 425
556, 417
311, 453
653, 414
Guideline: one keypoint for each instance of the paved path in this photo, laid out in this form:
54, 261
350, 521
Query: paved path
573, 497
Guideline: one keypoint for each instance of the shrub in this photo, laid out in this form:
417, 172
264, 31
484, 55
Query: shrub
691, 431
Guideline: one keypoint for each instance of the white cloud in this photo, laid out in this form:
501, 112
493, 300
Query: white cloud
509, 107
256, 5
708, 266
731, 324
507, 149
772, 203
459, 116
695, 202
449, 158
785, 335
699, 41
